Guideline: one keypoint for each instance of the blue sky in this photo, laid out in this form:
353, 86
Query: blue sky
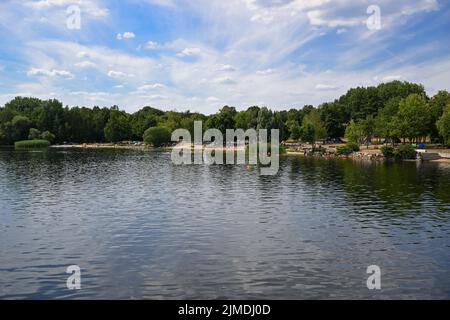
201, 55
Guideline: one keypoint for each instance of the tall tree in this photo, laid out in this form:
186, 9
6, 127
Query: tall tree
222, 120
20, 128
334, 118
294, 129
247, 119
354, 132
437, 105
118, 127
313, 128
413, 118
443, 125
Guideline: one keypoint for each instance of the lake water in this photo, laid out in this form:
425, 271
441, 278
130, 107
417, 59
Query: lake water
140, 227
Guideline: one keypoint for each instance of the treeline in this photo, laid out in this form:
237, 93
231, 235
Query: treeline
393, 111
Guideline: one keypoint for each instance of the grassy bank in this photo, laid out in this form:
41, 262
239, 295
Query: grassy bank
31, 144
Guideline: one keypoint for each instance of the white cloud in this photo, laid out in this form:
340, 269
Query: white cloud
391, 78
126, 35
224, 80
155, 97
82, 54
163, 3
264, 16
89, 7
317, 18
351, 13
152, 86
50, 73
325, 87
265, 72
187, 52
226, 67
151, 45
113, 63
95, 96
119, 74
85, 64
256, 45
212, 99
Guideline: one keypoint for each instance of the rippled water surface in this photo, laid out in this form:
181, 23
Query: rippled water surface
140, 227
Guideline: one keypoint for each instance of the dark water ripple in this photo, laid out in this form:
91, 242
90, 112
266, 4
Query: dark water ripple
140, 227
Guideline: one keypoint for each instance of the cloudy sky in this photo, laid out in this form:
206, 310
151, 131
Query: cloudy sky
203, 54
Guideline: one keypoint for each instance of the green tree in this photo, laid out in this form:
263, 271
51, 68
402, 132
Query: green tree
247, 119
436, 107
222, 120
265, 119
188, 121
99, 119
401, 89
144, 119
5, 134
354, 132
171, 120
79, 125
47, 135
82, 124
308, 133
413, 118
24, 106
334, 118
294, 129
279, 120
34, 134
20, 128
384, 121
360, 102
313, 119
157, 136
368, 129
118, 127
443, 125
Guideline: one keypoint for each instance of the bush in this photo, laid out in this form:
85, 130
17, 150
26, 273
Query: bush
405, 152
347, 149
20, 128
47, 135
343, 150
388, 151
34, 134
353, 146
32, 144
157, 136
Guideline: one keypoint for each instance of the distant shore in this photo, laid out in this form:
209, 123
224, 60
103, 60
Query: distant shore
99, 146
373, 153
132, 146
370, 154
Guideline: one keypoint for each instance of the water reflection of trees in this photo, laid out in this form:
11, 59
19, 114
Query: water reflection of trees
392, 189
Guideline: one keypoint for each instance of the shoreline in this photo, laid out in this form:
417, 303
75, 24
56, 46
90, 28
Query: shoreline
366, 155
133, 147
97, 146
361, 156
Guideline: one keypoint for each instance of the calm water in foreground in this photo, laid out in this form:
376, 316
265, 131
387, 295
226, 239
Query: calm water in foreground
140, 227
